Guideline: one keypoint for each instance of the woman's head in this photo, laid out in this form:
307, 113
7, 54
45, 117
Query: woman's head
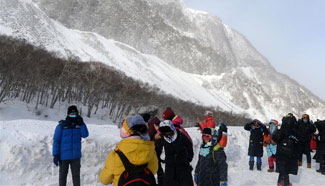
168, 131
133, 126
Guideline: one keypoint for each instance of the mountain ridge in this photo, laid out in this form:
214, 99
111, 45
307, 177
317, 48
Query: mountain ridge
243, 79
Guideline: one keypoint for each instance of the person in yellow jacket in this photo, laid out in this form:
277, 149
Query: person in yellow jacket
135, 145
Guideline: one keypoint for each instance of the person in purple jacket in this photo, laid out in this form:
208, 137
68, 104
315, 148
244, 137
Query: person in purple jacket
67, 145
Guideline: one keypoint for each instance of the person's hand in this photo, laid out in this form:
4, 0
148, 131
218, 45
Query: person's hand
157, 136
198, 120
56, 160
217, 147
223, 183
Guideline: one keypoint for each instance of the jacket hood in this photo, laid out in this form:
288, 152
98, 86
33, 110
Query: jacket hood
137, 151
177, 120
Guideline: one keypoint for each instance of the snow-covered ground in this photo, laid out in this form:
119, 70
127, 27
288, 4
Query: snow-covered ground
26, 146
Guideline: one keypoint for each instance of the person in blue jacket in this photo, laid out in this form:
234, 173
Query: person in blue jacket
67, 145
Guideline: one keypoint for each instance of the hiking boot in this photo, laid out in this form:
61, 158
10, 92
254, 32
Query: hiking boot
308, 165
251, 165
299, 163
270, 170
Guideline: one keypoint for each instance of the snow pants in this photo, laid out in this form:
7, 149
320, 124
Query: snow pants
75, 170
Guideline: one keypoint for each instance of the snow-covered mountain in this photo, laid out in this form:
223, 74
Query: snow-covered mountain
189, 54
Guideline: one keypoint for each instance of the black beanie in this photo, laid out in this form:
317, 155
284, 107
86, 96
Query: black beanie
72, 109
206, 131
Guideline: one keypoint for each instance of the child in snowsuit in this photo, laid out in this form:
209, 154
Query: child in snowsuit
178, 155
270, 144
255, 149
135, 145
287, 155
212, 168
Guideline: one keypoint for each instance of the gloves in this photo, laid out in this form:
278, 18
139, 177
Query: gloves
217, 147
56, 160
196, 177
223, 183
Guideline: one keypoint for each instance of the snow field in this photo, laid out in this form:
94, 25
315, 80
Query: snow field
26, 156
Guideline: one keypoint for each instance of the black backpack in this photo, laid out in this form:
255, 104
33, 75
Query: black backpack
287, 147
135, 175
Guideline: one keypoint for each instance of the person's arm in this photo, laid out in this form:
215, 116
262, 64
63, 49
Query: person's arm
106, 176
57, 140
153, 164
248, 126
84, 131
265, 129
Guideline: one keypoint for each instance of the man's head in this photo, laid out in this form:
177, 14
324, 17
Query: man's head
256, 122
305, 118
72, 111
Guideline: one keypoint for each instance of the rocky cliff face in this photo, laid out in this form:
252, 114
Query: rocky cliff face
187, 53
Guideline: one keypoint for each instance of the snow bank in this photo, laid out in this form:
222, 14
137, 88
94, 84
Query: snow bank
26, 146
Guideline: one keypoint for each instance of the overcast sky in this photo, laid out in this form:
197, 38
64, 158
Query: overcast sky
289, 33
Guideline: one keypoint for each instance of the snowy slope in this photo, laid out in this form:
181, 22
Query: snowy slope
26, 159
189, 54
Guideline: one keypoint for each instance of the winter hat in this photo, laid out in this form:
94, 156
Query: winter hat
167, 126
128, 122
274, 121
168, 114
206, 131
208, 113
72, 109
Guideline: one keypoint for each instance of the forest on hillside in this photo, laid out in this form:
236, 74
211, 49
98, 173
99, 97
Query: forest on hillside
34, 75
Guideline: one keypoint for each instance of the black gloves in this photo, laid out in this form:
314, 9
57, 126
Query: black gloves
56, 160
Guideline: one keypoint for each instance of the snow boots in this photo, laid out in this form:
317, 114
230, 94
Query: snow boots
308, 165
259, 166
321, 169
251, 165
271, 169
299, 163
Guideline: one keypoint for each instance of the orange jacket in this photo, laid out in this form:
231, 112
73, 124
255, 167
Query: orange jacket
208, 123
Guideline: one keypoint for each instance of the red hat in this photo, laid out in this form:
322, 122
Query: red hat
168, 113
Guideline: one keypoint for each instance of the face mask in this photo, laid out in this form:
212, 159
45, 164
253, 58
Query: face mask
305, 120
73, 116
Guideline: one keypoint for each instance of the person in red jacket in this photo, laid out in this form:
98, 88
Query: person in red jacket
208, 121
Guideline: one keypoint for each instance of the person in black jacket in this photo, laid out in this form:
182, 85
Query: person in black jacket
320, 152
305, 129
178, 155
286, 156
255, 149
